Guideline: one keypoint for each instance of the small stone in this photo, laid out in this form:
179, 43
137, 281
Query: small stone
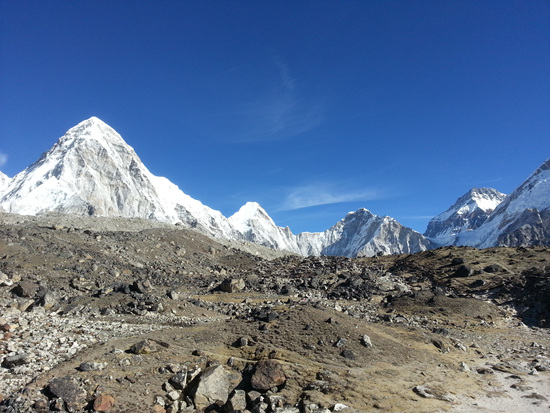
463, 271
348, 354
213, 386
25, 289
535, 396
16, 360
253, 396
91, 366
48, 300
429, 393
341, 342
464, 367
366, 341
158, 409
457, 261
338, 407
104, 403
174, 395
232, 285
145, 347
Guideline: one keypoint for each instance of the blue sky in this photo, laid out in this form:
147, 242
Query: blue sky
311, 108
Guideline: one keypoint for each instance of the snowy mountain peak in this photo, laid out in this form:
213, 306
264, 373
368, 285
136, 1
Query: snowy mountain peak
251, 211
92, 129
469, 212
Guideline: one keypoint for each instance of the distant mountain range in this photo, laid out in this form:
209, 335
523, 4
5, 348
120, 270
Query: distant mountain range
91, 170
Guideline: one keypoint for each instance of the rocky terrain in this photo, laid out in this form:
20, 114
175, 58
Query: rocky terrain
127, 315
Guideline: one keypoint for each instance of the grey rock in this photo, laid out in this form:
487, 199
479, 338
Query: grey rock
25, 289
341, 342
213, 387
231, 285
463, 271
348, 354
16, 360
92, 366
179, 380
237, 401
70, 391
429, 393
145, 347
366, 341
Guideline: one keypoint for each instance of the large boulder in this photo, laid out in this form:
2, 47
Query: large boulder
212, 387
268, 374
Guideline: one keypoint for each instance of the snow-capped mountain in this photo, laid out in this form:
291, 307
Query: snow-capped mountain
469, 212
522, 219
91, 170
363, 234
255, 225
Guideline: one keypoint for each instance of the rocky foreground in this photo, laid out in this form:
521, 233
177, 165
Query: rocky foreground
128, 315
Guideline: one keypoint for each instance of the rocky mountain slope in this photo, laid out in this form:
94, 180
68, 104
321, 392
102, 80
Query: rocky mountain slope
92, 171
116, 315
469, 212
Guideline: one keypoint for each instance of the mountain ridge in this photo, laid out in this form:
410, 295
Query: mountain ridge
91, 170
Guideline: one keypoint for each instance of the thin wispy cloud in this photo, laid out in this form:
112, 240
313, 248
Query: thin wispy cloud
3, 159
279, 111
287, 80
315, 195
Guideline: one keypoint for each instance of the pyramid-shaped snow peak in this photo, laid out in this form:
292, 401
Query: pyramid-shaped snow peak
91, 170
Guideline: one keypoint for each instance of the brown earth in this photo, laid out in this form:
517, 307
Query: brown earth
444, 324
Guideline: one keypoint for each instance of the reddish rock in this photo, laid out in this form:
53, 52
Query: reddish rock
268, 374
104, 403
157, 408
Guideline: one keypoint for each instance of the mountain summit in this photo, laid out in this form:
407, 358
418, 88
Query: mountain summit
91, 170
469, 212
